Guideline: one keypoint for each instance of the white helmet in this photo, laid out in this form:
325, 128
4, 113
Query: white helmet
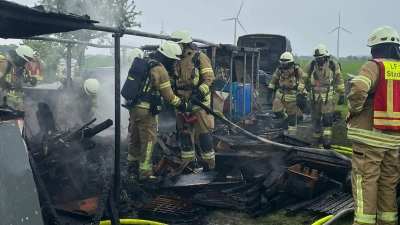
25, 52
183, 35
136, 52
170, 49
91, 86
286, 57
383, 34
320, 51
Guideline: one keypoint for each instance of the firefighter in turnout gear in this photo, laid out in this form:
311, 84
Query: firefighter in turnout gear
193, 78
325, 78
143, 122
286, 81
12, 75
77, 105
374, 128
136, 52
61, 73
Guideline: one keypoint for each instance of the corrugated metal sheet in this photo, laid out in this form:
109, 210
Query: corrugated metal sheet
21, 21
19, 202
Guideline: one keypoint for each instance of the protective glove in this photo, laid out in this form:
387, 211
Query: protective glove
301, 101
182, 107
197, 95
341, 100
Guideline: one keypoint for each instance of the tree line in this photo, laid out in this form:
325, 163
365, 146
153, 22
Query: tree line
349, 57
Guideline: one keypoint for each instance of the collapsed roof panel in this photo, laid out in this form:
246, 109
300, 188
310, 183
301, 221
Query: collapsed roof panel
18, 21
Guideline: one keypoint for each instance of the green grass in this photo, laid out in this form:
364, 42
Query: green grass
91, 63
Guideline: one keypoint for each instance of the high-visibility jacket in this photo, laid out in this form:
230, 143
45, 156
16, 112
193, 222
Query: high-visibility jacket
328, 76
361, 106
203, 76
10, 83
159, 85
288, 83
35, 69
387, 96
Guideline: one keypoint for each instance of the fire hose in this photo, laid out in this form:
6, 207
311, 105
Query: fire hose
132, 222
342, 149
329, 220
219, 116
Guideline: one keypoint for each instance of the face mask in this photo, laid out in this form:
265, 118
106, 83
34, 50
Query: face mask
320, 61
285, 66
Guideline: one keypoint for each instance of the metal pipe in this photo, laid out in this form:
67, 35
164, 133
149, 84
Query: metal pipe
117, 169
244, 84
123, 62
230, 88
60, 40
140, 33
213, 53
252, 82
69, 55
258, 72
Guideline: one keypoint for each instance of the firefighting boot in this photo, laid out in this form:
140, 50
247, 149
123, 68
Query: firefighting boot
316, 141
326, 141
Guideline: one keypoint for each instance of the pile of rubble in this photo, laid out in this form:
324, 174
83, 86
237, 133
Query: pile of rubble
74, 172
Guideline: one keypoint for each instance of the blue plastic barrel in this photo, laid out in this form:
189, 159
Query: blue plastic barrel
239, 98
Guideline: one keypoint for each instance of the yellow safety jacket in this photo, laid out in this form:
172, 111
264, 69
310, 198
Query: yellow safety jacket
194, 70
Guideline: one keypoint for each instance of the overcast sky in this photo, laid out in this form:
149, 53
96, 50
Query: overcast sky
305, 22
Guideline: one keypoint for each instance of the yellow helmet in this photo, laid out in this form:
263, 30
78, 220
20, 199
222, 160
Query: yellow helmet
183, 35
2, 57
383, 34
286, 57
136, 52
170, 49
320, 51
25, 52
91, 86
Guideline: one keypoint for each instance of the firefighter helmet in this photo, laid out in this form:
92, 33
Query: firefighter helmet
383, 34
170, 49
136, 52
91, 86
25, 52
320, 51
183, 35
2, 57
286, 57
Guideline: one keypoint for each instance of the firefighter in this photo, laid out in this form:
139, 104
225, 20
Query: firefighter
324, 79
12, 75
193, 78
374, 128
35, 68
286, 81
136, 52
142, 116
61, 73
78, 104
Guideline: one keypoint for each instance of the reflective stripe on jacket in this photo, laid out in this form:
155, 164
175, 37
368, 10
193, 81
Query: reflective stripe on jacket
387, 96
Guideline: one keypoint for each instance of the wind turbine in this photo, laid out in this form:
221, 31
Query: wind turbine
162, 30
338, 28
236, 20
